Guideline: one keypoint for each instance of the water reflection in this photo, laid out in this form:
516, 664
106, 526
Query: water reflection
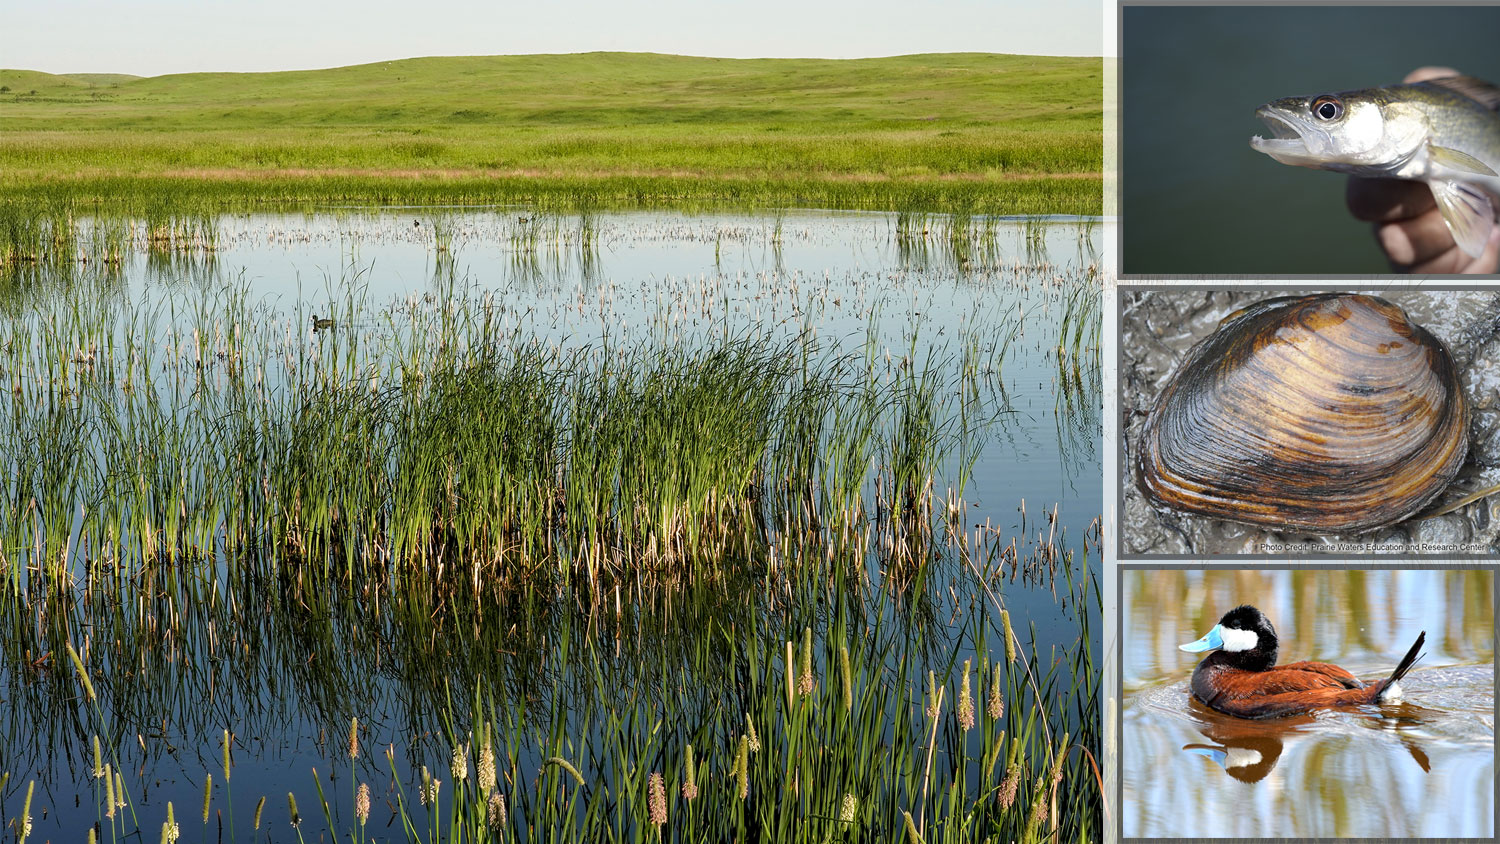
1423, 767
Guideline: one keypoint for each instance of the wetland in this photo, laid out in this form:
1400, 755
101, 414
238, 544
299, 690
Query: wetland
444, 523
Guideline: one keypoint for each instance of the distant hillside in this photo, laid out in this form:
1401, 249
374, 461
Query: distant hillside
906, 119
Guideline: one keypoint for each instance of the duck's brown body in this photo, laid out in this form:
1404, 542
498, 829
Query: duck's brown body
1240, 676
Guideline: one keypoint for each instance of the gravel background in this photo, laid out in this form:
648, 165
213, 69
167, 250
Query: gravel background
1159, 325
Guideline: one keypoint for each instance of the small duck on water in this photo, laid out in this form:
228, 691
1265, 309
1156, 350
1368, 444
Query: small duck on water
321, 324
1240, 677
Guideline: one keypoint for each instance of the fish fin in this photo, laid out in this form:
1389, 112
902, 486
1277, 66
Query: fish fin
1478, 90
1456, 160
1468, 212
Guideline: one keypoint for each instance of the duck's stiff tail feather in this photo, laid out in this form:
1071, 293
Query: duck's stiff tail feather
1389, 689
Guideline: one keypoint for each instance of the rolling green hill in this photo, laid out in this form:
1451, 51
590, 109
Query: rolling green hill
981, 131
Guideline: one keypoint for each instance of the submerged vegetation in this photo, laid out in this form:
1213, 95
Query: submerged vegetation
702, 579
930, 133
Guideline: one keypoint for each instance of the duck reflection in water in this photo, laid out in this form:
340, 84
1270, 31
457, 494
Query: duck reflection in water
1246, 705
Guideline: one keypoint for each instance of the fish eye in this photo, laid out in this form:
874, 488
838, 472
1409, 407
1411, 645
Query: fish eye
1328, 108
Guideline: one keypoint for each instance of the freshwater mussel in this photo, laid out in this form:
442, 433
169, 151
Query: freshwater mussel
1331, 413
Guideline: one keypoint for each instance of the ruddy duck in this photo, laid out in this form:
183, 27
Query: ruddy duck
1240, 677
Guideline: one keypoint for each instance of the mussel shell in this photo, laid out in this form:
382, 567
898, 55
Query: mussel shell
1331, 413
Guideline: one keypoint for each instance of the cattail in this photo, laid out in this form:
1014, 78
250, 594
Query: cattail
208, 793
258, 807
848, 809
656, 800
226, 756
996, 708
486, 767
911, 828
804, 669
742, 767
459, 764
1010, 638
362, 803
690, 781
354, 737
98, 759
109, 791
496, 813
750, 734
291, 802
847, 676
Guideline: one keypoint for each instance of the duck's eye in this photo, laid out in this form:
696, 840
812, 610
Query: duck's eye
1328, 108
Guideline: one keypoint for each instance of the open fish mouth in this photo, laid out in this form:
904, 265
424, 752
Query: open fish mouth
1286, 136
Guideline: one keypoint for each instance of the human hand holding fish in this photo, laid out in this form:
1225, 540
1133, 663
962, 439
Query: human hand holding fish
1438, 133
1408, 225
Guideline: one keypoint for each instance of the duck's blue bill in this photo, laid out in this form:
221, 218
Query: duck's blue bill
1212, 639
1217, 754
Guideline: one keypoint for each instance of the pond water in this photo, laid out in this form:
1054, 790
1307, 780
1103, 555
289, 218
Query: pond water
1424, 767
162, 405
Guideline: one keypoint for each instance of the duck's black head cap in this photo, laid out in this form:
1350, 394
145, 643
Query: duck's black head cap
1261, 657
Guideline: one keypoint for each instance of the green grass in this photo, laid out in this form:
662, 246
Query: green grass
981, 132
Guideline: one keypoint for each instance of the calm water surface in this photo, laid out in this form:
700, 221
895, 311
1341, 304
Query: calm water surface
862, 284
1421, 768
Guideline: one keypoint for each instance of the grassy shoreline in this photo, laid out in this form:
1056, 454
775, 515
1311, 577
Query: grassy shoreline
974, 132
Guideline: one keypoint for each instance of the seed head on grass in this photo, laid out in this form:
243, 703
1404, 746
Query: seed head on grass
805, 682
291, 803
208, 793
258, 807
1006, 796
362, 803
495, 813
566, 766
83, 674
109, 791
656, 800
486, 768
26, 812
459, 764
912, 836
1010, 638
848, 809
226, 756
354, 737
119, 790
847, 676
98, 759
170, 831
742, 768
750, 734
690, 778
996, 707
965, 710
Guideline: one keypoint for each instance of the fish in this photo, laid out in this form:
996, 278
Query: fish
1443, 132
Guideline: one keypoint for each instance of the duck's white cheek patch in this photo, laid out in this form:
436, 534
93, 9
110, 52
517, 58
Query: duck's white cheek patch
1238, 640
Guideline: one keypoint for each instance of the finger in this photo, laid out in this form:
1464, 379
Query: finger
1422, 74
1383, 200
1417, 240
1488, 260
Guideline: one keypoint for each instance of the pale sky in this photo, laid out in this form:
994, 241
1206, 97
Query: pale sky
152, 37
